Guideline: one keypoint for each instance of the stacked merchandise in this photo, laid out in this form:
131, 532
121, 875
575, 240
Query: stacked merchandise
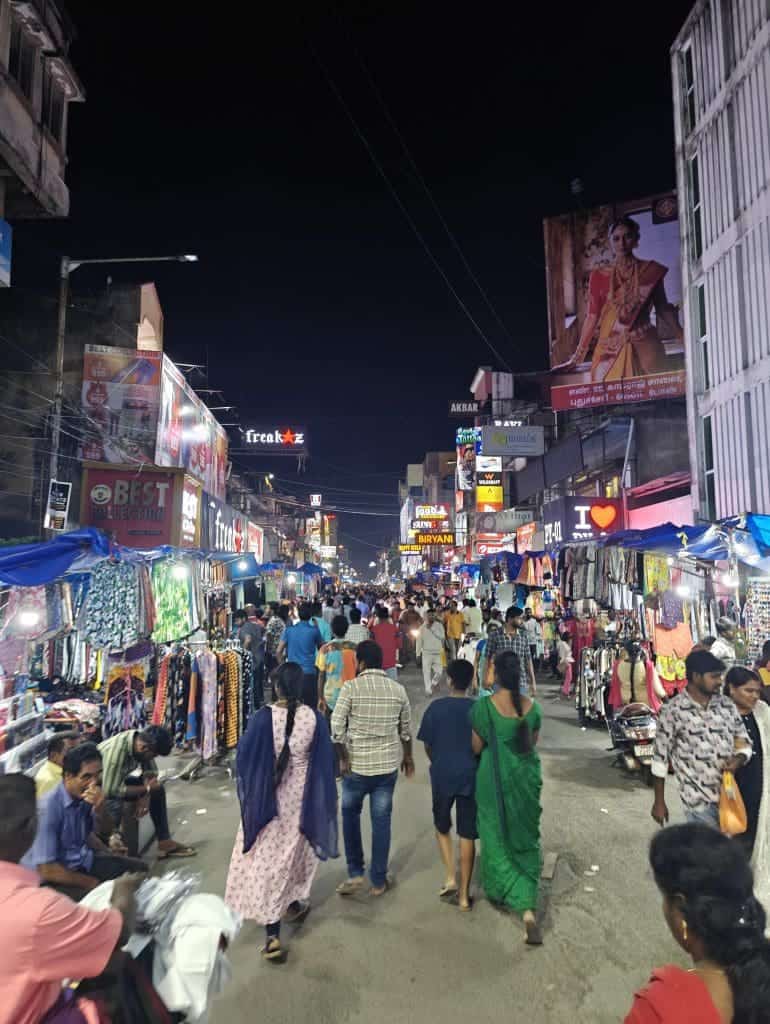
23, 739
757, 617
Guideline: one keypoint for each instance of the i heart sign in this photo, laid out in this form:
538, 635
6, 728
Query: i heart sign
603, 516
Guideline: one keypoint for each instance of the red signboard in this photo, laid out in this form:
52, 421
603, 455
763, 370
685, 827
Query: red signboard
255, 541
137, 509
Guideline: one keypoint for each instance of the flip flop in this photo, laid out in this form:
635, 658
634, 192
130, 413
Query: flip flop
350, 887
448, 893
179, 852
534, 935
385, 889
273, 952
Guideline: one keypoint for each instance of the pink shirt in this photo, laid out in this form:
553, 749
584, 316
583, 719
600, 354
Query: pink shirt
46, 938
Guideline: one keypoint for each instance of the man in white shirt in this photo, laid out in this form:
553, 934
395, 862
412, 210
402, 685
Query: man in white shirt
432, 638
472, 618
534, 633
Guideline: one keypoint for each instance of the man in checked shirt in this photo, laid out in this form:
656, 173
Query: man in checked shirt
371, 730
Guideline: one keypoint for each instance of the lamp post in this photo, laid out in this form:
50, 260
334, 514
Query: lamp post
67, 267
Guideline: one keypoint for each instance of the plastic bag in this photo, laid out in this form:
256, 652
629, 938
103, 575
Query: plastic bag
732, 810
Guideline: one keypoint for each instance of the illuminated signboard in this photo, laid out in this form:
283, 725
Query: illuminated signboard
409, 549
431, 512
287, 440
464, 407
430, 524
436, 537
580, 519
489, 492
316, 500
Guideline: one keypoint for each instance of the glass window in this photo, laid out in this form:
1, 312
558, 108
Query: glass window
709, 472
702, 333
688, 84
695, 210
21, 59
53, 105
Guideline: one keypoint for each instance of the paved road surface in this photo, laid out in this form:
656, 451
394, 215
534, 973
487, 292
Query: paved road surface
408, 957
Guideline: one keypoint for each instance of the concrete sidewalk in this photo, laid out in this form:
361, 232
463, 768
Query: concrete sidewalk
409, 957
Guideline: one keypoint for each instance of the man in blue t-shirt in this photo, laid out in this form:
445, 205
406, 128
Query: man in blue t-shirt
300, 643
446, 733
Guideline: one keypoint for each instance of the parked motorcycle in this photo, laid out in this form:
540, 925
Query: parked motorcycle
632, 731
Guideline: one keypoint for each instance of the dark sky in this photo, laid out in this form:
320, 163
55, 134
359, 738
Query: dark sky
313, 300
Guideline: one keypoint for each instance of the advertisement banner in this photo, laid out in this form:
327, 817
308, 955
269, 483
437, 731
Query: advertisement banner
284, 440
513, 441
188, 435
57, 509
137, 509
120, 399
468, 443
431, 512
525, 536
255, 541
222, 527
489, 492
503, 522
409, 549
489, 464
190, 535
614, 297
575, 519
436, 537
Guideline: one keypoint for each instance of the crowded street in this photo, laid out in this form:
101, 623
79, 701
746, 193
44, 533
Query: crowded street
411, 957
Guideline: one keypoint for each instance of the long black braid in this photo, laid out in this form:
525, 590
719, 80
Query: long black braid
508, 675
288, 682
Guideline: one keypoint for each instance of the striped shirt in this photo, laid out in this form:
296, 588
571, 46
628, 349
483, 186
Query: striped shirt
357, 633
118, 761
371, 719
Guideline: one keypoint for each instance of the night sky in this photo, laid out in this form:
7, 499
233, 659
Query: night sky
314, 301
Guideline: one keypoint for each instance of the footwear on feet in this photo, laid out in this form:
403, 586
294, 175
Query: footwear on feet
448, 892
273, 952
350, 886
380, 890
534, 935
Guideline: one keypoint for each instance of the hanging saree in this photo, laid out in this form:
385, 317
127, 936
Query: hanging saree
508, 787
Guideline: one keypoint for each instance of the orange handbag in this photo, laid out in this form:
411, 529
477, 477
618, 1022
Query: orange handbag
732, 810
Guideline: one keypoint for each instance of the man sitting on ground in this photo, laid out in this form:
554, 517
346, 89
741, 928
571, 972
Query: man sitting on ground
49, 775
67, 853
130, 793
47, 937
446, 733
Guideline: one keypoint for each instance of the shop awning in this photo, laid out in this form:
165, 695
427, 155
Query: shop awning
311, 569
31, 565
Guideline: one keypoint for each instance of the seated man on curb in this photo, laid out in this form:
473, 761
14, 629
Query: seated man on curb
49, 775
47, 937
446, 732
67, 853
122, 755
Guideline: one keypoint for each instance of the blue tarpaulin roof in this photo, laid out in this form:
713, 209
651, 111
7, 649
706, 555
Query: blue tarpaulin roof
30, 565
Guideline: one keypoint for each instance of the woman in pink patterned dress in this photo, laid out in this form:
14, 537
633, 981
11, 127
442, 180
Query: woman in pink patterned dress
288, 796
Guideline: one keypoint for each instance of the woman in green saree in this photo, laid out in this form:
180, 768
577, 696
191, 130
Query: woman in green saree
508, 785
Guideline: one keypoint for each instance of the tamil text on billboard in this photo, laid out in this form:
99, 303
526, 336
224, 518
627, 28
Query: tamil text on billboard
189, 436
614, 297
121, 391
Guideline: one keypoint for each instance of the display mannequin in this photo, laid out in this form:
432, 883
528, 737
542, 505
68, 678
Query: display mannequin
647, 687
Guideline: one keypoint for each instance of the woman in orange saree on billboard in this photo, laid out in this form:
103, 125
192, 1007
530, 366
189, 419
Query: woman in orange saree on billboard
621, 297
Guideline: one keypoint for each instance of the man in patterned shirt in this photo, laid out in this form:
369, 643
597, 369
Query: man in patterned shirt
701, 734
371, 729
512, 638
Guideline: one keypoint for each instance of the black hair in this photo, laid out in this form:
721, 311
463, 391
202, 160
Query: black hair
460, 674
370, 653
508, 675
159, 739
305, 612
382, 612
765, 652
282, 612
708, 878
17, 815
274, 607
355, 615
58, 740
240, 614
317, 608
708, 641
75, 758
627, 222
339, 626
702, 662
513, 613
739, 676
329, 601
470, 603
287, 679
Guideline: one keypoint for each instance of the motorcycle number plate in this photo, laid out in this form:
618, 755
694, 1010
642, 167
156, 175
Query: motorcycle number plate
643, 749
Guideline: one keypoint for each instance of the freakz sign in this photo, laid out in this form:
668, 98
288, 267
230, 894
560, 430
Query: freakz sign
280, 440
577, 519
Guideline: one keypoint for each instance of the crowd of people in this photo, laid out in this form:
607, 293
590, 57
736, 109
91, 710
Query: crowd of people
333, 725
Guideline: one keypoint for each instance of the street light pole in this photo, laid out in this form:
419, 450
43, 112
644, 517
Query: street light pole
66, 268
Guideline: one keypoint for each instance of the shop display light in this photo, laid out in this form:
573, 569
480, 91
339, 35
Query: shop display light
29, 617
180, 572
243, 565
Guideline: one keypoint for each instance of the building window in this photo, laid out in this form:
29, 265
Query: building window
701, 330
21, 59
696, 226
709, 473
688, 89
53, 105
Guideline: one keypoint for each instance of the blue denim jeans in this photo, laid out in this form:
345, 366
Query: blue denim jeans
706, 815
379, 789
392, 673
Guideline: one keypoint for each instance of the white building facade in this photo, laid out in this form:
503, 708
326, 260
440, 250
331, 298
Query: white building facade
721, 80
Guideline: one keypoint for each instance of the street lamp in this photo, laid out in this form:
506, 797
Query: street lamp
67, 267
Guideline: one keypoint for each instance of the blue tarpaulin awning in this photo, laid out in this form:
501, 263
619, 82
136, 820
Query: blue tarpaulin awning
31, 565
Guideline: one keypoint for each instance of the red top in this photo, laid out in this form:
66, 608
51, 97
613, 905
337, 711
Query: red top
386, 635
673, 996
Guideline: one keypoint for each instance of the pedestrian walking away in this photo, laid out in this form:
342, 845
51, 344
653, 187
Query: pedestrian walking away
506, 728
371, 729
300, 644
701, 735
288, 800
446, 732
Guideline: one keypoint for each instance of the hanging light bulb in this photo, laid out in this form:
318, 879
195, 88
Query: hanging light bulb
29, 617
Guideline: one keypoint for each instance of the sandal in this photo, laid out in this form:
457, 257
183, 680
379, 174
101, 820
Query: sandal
180, 852
386, 888
534, 935
273, 952
350, 887
448, 893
